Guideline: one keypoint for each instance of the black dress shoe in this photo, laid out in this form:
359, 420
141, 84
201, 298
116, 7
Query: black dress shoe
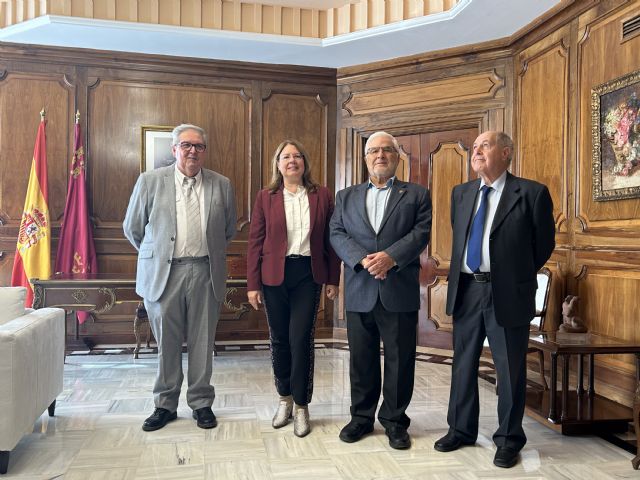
354, 431
398, 437
506, 457
449, 443
158, 419
205, 417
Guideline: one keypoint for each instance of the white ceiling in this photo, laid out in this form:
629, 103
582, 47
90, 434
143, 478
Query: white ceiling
469, 22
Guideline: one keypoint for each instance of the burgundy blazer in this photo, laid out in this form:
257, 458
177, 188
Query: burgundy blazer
268, 240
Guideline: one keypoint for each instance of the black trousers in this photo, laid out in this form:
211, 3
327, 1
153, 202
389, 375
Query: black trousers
398, 333
292, 309
473, 320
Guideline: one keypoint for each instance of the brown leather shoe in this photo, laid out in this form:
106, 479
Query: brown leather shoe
158, 419
205, 417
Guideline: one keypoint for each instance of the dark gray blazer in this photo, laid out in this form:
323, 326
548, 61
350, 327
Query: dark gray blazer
522, 239
150, 226
404, 233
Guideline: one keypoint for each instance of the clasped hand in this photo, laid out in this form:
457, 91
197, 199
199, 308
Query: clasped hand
378, 264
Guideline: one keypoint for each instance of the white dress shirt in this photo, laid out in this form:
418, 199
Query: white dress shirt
180, 247
493, 199
296, 211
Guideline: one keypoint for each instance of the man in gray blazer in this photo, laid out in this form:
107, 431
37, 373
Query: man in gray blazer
180, 219
379, 228
503, 233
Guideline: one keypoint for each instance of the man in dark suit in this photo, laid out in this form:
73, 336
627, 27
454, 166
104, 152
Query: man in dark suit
180, 219
503, 233
379, 228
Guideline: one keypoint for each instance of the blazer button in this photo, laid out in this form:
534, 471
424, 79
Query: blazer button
168, 261
173, 239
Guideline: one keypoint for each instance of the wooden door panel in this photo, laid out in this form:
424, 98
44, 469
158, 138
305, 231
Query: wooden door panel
438, 161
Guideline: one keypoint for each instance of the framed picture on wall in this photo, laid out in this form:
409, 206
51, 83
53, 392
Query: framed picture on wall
615, 128
156, 147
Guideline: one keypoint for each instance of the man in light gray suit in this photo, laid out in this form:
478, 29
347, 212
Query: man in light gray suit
180, 219
379, 228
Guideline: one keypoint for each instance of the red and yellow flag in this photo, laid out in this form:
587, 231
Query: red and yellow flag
33, 252
76, 249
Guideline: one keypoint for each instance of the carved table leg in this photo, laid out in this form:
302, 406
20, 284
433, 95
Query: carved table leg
636, 415
592, 387
580, 388
554, 388
136, 332
565, 387
148, 333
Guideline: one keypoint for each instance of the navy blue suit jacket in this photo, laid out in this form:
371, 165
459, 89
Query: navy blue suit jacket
404, 233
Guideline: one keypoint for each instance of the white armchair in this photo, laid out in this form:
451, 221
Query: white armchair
31, 368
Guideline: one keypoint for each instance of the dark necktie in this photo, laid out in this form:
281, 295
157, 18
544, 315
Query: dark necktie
474, 247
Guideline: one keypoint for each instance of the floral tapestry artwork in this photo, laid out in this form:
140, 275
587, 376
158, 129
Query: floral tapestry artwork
616, 138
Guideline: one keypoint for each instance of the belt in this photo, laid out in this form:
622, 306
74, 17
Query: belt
186, 260
297, 257
480, 277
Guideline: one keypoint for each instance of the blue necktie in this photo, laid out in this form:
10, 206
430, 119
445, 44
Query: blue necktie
474, 247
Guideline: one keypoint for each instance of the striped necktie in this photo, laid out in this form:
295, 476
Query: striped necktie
192, 206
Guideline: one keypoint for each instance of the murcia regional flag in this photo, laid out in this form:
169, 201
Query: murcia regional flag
33, 252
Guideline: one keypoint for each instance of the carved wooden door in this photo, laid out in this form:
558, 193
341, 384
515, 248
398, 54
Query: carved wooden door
439, 161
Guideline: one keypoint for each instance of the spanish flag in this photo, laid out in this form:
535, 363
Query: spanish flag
33, 252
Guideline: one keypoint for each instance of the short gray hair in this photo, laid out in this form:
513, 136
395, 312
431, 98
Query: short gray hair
504, 140
175, 134
382, 134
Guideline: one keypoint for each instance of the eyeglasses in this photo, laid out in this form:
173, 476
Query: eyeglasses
186, 146
288, 156
376, 150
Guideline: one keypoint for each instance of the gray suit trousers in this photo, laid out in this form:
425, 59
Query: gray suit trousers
186, 308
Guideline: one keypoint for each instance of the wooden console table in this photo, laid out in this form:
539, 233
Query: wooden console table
100, 292
582, 410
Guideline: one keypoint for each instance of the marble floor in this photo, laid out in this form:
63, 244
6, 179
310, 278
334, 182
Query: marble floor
96, 432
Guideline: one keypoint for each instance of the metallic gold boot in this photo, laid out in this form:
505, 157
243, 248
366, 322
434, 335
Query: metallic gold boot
301, 425
283, 413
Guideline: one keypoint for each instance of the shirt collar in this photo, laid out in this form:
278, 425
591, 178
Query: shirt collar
301, 191
181, 176
498, 185
389, 183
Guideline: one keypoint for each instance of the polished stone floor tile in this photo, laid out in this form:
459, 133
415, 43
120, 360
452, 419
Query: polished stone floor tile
97, 435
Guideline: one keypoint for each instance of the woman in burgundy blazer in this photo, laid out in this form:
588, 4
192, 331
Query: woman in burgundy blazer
289, 259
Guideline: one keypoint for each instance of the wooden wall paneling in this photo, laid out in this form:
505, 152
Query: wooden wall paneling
116, 145
22, 96
542, 136
303, 117
602, 56
475, 86
603, 308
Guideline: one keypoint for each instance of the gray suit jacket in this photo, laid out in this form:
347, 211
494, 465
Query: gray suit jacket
404, 233
150, 226
521, 240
